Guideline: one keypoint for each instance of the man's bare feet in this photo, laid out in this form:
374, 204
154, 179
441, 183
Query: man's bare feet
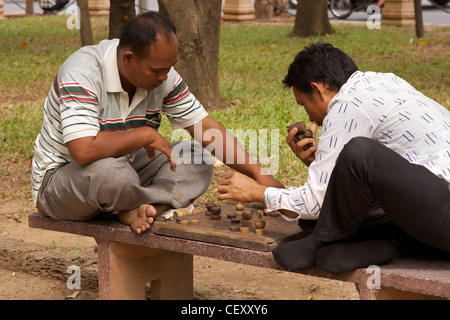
138, 219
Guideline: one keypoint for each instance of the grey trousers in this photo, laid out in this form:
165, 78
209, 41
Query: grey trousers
74, 192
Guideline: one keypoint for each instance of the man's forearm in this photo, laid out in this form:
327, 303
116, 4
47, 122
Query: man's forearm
109, 144
222, 144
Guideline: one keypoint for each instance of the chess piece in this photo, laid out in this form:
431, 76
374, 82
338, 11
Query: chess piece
302, 133
231, 215
235, 220
247, 217
184, 222
260, 224
181, 212
244, 229
197, 210
209, 206
215, 213
239, 209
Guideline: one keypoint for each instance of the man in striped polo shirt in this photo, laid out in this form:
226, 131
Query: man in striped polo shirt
99, 149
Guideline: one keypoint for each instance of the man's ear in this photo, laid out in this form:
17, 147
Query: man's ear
319, 88
128, 57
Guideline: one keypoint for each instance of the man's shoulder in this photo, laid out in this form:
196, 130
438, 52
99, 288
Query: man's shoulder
87, 59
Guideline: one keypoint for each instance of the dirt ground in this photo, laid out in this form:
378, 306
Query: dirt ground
34, 262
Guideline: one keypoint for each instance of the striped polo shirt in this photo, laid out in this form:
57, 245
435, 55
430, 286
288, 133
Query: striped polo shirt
87, 97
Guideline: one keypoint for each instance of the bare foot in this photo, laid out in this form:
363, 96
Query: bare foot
138, 219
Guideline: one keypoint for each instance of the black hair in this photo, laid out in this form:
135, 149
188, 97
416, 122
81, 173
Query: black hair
320, 62
143, 30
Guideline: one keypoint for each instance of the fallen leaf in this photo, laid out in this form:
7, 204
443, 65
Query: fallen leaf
73, 295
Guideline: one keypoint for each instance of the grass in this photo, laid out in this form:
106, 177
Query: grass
253, 61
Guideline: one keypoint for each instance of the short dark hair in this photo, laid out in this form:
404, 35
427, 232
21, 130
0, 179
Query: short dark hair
142, 31
320, 62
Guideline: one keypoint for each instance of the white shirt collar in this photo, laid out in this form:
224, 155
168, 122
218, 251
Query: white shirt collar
112, 78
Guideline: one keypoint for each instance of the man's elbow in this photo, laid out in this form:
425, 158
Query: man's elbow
81, 159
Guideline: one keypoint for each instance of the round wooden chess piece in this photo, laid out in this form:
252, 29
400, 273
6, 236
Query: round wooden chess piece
247, 217
260, 224
244, 229
239, 209
215, 213
181, 212
209, 206
302, 133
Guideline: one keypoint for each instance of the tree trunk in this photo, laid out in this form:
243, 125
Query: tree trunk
418, 18
85, 24
312, 19
264, 10
120, 11
198, 33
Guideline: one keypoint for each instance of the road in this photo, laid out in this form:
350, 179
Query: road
431, 14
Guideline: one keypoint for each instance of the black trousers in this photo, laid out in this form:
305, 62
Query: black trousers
374, 192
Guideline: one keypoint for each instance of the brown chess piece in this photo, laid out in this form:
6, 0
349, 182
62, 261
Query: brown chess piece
209, 206
302, 133
215, 213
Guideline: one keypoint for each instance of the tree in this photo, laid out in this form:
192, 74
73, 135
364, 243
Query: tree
120, 11
312, 19
198, 33
85, 24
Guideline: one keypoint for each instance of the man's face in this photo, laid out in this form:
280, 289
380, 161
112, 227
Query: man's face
150, 71
316, 105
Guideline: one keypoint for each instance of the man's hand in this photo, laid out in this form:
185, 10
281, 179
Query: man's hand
240, 187
307, 156
161, 144
269, 181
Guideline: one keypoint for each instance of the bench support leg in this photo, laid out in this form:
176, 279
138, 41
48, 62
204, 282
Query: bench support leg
124, 270
388, 293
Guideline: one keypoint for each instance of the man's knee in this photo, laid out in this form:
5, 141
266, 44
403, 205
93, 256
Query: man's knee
110, 171
191, 152
358, 145
357, 155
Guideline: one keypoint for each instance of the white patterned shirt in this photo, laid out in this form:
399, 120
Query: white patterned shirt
382, 107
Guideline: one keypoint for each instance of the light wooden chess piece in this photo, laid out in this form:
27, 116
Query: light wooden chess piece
247, 217
260, 224
239, 209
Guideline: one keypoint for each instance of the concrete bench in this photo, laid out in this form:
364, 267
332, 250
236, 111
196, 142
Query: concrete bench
127, 261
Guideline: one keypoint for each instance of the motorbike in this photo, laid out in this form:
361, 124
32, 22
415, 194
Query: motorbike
342, 9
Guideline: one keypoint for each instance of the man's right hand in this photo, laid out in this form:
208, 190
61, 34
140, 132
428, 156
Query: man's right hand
307, 156
161, 144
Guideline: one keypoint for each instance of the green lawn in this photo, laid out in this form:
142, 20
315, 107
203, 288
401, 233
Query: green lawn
253, 61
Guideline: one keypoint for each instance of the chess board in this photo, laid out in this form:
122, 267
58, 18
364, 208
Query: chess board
201, 227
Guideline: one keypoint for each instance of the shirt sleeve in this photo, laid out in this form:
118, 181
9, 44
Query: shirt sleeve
180, 105
79, 108
344, 121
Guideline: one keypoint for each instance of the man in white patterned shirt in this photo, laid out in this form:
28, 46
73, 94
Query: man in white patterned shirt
99, 149
382, 163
